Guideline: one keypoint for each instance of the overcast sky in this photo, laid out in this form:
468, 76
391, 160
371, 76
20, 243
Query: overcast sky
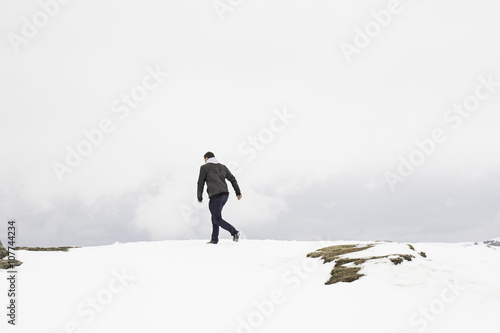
348, 120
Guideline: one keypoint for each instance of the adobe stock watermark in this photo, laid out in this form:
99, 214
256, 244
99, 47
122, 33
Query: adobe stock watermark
293, 278
421, 319
453, 116
372, 29
191, 213
30, 27
89, 309
249, 148
258, 142
12, 274
122, 108
223, 7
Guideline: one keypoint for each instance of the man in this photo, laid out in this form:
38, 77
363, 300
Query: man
215, 175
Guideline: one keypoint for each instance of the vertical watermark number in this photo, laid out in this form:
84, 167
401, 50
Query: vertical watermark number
11, 274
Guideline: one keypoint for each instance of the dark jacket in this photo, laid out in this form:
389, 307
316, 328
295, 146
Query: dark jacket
215, 176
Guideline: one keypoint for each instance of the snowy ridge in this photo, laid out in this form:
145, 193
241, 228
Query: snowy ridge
493, 242
256, 286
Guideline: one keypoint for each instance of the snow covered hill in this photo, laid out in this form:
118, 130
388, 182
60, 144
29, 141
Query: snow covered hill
492, 242
256, 286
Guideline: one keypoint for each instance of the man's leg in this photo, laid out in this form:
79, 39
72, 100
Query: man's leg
215, 205
215, 232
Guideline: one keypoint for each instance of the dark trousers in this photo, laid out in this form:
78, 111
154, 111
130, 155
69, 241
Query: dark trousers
215, 205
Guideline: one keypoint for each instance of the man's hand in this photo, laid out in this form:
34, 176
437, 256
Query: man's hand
239, 196
200, 201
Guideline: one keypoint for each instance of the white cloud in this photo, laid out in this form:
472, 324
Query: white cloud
374, 185
352, 121
330, 205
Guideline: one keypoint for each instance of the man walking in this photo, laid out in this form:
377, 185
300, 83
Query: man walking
215, 175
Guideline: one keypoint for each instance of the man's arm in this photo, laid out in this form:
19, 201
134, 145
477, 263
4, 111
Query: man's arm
201, 183
234, 183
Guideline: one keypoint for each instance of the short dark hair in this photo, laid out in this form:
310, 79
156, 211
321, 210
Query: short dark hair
209, 155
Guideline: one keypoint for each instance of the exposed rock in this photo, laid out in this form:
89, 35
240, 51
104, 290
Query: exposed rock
61, 248
3, 251
5, 264
347, 269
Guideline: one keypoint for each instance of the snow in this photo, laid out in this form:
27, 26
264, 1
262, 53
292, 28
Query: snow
255, 286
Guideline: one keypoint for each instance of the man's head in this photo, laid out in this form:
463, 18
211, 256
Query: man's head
208, 155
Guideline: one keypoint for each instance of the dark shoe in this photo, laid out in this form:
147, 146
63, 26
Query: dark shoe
211, 242
236, 236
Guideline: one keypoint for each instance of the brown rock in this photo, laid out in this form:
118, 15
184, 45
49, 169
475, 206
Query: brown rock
5, 264
3, 251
